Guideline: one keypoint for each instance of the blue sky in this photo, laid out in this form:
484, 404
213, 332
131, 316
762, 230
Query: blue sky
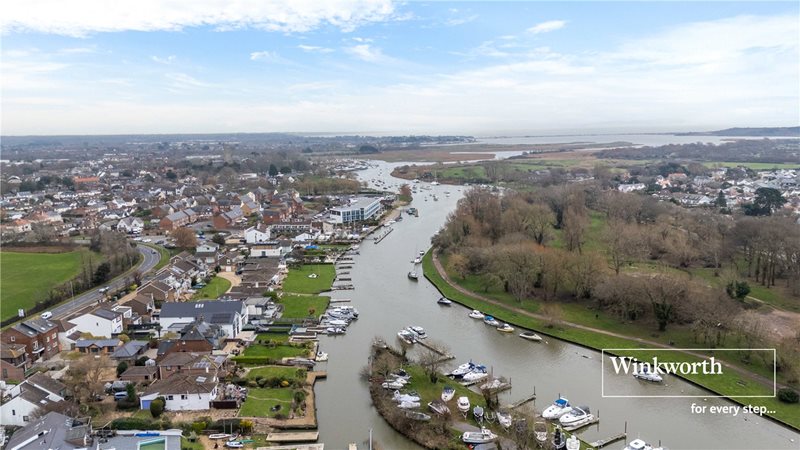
76, 67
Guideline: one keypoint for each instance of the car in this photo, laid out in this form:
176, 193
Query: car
120, 395
103, 290
46, 315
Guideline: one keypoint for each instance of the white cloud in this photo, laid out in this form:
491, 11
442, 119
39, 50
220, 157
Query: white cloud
314, 49
546, 27
366, 52
265, 55
93, 16
183, 81
460, 20
166, 60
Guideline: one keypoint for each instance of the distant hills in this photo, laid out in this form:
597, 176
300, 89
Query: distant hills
765, 131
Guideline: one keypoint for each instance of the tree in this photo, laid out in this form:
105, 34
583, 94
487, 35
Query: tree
157, 407
218, 239
273, 170
431, 359
185, 238
121, 368
625, 244
172, 176
131, 391
666, 295
737, 289
102, 273
768, 200
721, 201
124, 338
458, 263
84, 379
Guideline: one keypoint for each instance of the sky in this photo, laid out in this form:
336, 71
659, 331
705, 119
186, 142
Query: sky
386, 67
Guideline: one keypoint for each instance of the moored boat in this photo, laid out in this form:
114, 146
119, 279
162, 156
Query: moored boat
646, 375
407, 336
540, 432
478, 437
216, 436
559, 439
408, 405
506, 328
413, 276
639, 444
448, 393
580, 415
559, 407
463, 404
444, 301
478, 373
400, 398
416, 415
491, 321
463, 369
322, 356
475, 314
234, 444
531, 336
419, 332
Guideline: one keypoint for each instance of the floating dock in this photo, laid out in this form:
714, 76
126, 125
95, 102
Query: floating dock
603, 442
293, 436
445, 356
378, 239
522, 401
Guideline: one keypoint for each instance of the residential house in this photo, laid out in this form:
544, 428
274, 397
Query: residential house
99, 323
97, 346
39, 336
130, 225
182, 393
229, 315
27, 397
257, 234
53, 431
129, 351
266, 250
178, 219
140, 374
158, 291
631, 187
230, 219
13, 362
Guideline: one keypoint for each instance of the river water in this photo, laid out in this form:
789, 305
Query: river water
389, 301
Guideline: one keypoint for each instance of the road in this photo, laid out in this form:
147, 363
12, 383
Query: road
151, 257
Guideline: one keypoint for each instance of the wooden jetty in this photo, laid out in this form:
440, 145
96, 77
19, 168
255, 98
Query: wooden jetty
293, 436
600, 443
344, 279
345, 267
445, 356
343, 287
378, 239
522, 401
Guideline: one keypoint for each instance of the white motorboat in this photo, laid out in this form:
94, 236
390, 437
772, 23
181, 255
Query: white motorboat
234, 444
491, 321
504, 419
413, 276
559, 407
399, 398
438, 407
646, 375
477, 412
396, 384
580, 415
444, 301
408, 405
334, 330
463, 369
417, 260
475, 314
407, 336
573, 443
638, 444
419, 332
531, 336
448, 393
463, 404
216, 436
478, 437
478, 373
322, 356
337, 323
506, 328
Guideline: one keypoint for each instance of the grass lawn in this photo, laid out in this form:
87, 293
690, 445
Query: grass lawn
216, 287
728, 383
26, 278
186, 444
261, 400
298, 306
277, 352
284, 372
299, 282
277, 337
772, 296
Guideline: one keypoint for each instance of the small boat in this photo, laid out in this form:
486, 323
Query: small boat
416, 415
438, 407
422, 253
490, 416
559, 407
334, 330
506, 328
407, 336
540, 433
477, 374
463, 404
462, 370
234, 444
408, 405
322, 356
580, 415
491, 321
418, 332
504, 419
573, 443
444, 301
394, 385
417, 260
475, 314
477, 412
413, 276
478, 437
531, 336
400, 398
216, 436
448, 393
559, 439
646, 375
638, 444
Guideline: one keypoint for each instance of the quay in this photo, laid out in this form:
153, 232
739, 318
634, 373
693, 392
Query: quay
600, 443
293, 436
445, 356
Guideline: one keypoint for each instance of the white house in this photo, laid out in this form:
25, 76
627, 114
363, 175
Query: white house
36, 391
231, 316
182, 393
257, 234
133, 225
99, 323
266, 250
631, 187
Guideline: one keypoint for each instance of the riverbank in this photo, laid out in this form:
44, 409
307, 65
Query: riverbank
740, 382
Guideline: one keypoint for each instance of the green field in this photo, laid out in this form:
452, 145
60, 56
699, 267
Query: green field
298, 306
298, 280
284, 372
277, 352
26, 278
216, 287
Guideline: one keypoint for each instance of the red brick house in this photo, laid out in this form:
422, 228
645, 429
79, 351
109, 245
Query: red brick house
13, 362
39, 336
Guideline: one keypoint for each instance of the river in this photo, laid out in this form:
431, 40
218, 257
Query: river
388, 301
